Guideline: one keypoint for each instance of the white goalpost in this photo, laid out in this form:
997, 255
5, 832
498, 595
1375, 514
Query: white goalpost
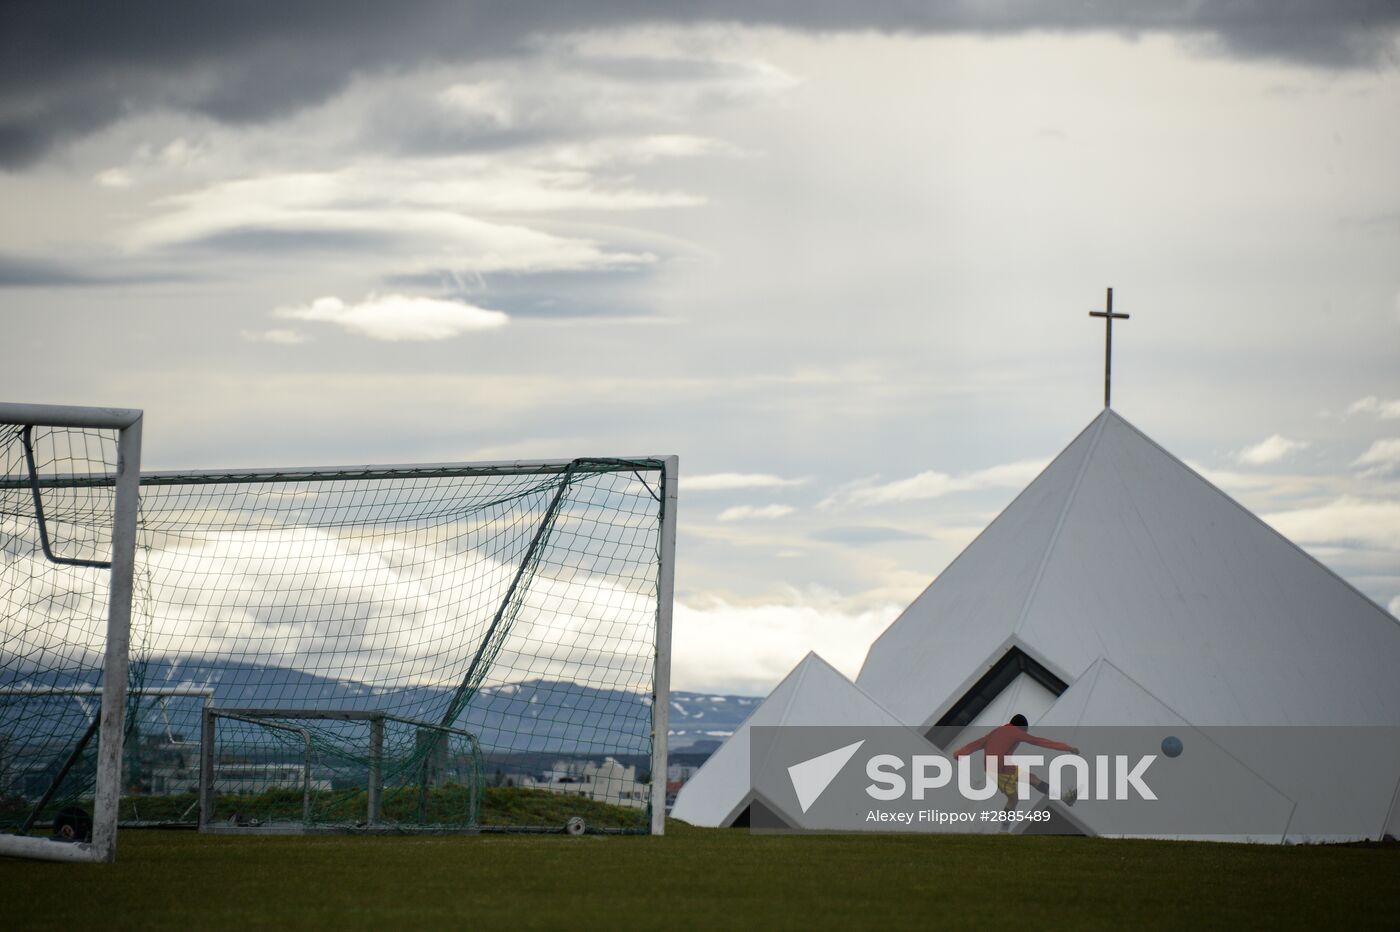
118, 431
415, 648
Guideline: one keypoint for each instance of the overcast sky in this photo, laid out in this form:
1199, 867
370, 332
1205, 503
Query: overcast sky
837, 256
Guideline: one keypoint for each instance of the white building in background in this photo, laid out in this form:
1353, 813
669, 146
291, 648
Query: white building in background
1119, 588
233, 778
814, 693
606, 782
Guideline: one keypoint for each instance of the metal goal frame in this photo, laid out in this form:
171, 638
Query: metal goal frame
127, 423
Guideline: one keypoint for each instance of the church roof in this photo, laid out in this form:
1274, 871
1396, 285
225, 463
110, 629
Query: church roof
1119, 550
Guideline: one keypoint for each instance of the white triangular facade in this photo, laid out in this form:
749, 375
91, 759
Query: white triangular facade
814, 693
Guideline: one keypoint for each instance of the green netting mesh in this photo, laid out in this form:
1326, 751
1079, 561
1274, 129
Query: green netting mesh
53, 600
415, 648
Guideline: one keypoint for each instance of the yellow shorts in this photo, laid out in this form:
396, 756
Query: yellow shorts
1006, 782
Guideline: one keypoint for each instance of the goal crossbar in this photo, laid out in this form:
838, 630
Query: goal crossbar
350, 473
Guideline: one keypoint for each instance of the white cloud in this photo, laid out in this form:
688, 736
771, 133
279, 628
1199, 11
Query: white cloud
1386, 410
1236, 482
114, 178
1383, 457
408, 216
617, 82
283, 337
1260, 491
749, 648
641, 150
1347, 521
522, 189
222, 591
752, 512
181, 153
483, 100
148, 163
725, 481
932, 484
1270, 450
396, 317
1395, 606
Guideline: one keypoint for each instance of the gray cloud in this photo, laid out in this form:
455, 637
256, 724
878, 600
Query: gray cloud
18, 272
560, 295
263, 241
1386, 223
69, 68
26, 272
562, 94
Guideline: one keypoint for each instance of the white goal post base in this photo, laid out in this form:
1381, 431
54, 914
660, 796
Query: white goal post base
48, 849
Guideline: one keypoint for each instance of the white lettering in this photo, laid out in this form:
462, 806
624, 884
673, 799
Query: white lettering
1134, 777
922, 781
929, 772
1081, 775
880, 815
893, 783
965, 787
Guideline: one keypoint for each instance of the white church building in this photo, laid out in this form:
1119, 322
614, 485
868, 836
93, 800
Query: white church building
1119, 588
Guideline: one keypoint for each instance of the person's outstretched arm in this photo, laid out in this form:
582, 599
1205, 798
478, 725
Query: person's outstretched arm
972, 748
1047, 743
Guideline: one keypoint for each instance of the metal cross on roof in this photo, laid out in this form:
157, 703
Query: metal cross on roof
1109, 317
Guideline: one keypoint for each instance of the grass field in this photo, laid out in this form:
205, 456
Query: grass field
500, 805
694, 878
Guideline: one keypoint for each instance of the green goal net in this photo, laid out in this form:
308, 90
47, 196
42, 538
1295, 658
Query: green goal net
418, 648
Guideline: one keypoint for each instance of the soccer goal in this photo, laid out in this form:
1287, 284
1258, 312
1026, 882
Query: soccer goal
444, 647
69, 495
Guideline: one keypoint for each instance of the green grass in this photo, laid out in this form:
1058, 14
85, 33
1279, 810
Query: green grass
500, 805
505, 805
694, 878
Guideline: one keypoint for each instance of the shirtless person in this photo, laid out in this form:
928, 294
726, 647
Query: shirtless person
1001, 742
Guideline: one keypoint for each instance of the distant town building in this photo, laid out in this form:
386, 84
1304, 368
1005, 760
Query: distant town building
606, 782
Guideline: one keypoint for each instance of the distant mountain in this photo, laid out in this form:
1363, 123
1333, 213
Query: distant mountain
706, 720
533, 716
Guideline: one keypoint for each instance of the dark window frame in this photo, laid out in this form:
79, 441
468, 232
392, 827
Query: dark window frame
990, 685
